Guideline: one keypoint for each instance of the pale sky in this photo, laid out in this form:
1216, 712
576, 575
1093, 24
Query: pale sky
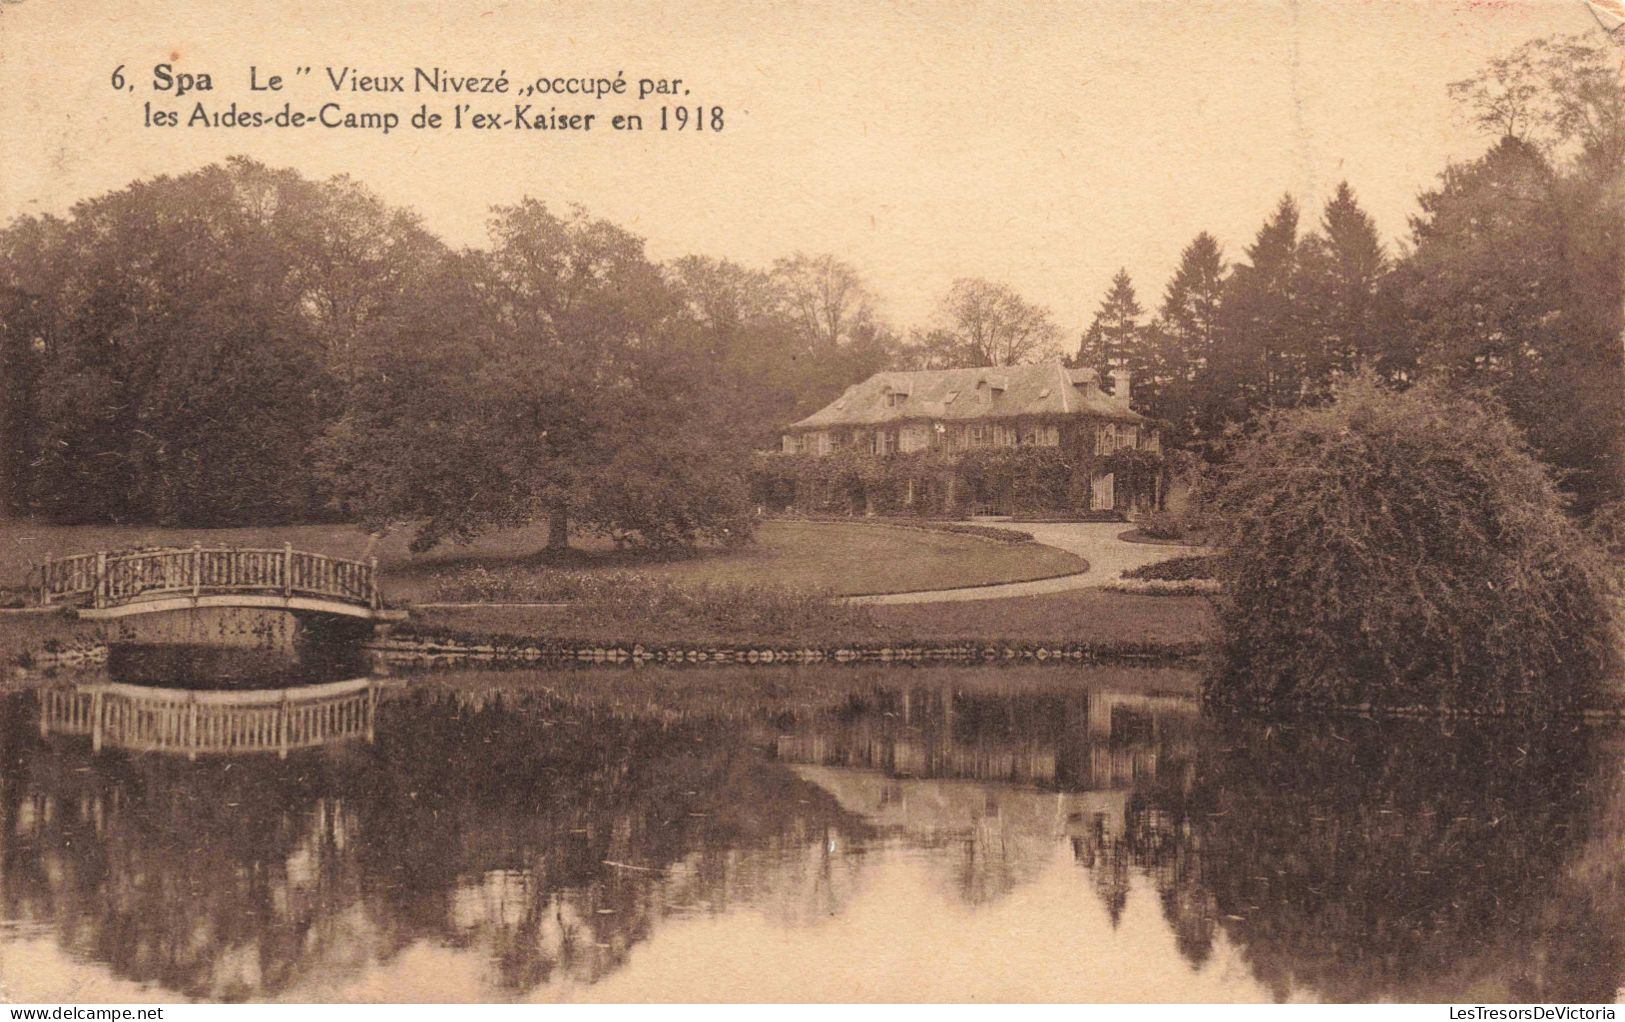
1039, 144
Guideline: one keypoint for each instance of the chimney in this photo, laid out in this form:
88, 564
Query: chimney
1122, 383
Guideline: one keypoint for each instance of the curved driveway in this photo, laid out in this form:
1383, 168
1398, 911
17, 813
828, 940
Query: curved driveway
1095, 542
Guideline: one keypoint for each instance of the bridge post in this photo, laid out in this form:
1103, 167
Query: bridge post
374, 597
191, 727
197, 569
282, 727
45, 581
372, 711
96, 722
287, 569
100, 597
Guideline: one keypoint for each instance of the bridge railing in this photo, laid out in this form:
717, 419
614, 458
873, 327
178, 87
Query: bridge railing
109, 579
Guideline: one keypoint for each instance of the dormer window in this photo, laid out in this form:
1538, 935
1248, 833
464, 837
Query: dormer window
896, 398
950, 398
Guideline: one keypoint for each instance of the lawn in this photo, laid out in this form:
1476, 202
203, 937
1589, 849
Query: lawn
1085, 615
842, 558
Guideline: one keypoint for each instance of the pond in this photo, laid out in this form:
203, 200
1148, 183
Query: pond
820, 834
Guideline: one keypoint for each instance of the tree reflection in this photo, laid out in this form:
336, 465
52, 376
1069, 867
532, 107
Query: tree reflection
548, 835
1388, 860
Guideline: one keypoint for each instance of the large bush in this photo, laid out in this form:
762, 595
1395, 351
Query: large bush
1403, 549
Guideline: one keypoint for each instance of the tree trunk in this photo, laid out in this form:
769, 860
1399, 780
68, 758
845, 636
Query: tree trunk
558, 527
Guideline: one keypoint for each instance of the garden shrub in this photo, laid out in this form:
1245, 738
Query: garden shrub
1177, 569
1403, 548
1163, 525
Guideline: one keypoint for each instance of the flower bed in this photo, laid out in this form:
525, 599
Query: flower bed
1155, 587
994, 533
1070, 517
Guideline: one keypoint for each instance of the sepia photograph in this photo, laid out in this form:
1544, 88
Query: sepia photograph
812, 502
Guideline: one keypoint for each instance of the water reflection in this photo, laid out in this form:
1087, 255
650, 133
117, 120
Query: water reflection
1039, 834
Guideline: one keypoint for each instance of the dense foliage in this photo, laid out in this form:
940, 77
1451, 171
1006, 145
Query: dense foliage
1403, 549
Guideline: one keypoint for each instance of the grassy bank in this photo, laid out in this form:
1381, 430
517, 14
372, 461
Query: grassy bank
845, 559
22, 634
1081, 616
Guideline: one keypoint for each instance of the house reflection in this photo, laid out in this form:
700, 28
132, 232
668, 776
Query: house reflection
915, 762
1346, 860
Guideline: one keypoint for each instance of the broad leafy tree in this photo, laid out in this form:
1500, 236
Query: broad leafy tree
1514, 282
983, 323
177, 379
582, 392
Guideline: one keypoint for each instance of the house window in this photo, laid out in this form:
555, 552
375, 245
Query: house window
978, 434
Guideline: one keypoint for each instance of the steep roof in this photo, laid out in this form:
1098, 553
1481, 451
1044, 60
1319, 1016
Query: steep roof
998, 392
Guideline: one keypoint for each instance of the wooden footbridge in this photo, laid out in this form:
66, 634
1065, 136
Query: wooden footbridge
105, 585
137, 718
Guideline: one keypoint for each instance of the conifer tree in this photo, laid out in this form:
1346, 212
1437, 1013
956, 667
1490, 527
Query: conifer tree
1116, 339
1259, 355
1341, 271
1182, 336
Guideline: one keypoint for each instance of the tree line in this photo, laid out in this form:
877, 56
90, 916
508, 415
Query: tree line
241, 344
1508, 288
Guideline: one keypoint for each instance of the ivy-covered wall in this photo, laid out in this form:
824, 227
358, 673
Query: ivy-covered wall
1016, 480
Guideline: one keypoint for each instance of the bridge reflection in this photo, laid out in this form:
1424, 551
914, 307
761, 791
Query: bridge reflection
139, 718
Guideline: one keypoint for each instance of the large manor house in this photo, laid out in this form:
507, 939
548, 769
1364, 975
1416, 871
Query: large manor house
972, 420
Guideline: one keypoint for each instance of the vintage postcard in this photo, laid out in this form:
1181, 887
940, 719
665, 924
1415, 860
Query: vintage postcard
848, 501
